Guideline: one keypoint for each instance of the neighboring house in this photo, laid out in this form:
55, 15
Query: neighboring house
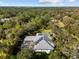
40, 43
5, 19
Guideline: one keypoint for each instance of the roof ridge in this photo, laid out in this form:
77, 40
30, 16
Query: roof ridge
48, 41
39, 40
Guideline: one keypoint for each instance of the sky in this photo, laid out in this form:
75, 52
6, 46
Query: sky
38, 3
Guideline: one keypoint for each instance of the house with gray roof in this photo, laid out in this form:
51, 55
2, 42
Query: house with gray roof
41, 42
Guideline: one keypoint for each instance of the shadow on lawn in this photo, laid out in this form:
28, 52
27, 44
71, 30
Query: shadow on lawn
40, 55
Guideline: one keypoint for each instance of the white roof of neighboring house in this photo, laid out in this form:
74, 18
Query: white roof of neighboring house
5, 19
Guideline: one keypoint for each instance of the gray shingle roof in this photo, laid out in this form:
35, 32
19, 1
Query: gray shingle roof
42, 42
43, 45
32, 38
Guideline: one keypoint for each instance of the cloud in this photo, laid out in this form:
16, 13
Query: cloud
72, 0
50, 1
55, 1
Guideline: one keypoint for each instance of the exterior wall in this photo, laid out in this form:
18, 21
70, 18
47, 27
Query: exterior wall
47, 51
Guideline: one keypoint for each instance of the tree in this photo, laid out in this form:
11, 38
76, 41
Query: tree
24, 54
39, 55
